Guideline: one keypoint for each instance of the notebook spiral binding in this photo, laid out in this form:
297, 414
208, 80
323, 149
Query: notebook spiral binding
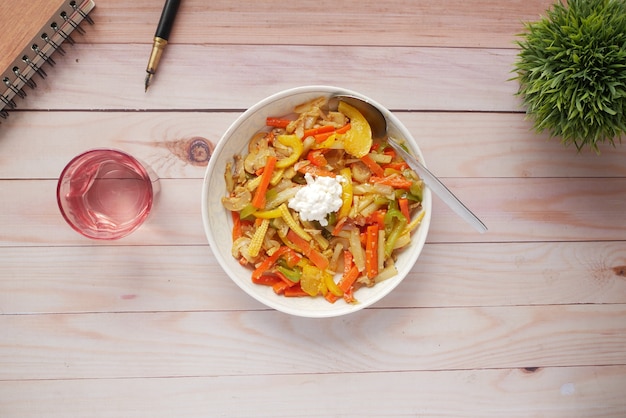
39, 52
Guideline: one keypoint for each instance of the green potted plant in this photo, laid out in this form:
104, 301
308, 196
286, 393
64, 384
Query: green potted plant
571, 71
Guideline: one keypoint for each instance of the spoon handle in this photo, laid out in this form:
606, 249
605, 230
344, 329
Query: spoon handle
439, 188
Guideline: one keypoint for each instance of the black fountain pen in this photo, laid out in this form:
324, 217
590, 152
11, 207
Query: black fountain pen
160, 37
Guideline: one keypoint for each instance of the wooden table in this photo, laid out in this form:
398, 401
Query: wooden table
528, 320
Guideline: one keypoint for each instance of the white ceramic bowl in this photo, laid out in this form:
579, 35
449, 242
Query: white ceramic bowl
218, 222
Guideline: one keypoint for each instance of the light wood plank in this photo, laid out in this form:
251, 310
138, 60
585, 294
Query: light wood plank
516, 274
366, 22
237, 76
454, 144
129, 345
513, 209
534, 210
516, 393
32, 217
503, 145
160, 140
188, 278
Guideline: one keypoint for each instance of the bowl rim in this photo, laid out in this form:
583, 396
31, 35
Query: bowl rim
213, 161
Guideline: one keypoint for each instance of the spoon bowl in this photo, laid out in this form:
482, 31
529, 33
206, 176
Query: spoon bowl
375, 118
378, 125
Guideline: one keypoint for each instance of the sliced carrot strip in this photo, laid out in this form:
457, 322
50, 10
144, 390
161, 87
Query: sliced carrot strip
237, 231
395, 181
269, 262
345, 128
348, 280
373, 165
277, 122
266, 280
321, 130
371, 251
316, 171
403, 202
295, 292
315, 256
345, 284
258, 201
280, 287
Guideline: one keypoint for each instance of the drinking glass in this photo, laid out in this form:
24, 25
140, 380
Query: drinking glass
106, 193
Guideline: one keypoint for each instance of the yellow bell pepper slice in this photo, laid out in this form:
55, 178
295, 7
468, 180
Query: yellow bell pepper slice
346, 193
268, 214
332, 286
315, 281
296, 145
311, 280
358, 140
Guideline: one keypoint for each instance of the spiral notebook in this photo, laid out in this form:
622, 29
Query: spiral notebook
32, 30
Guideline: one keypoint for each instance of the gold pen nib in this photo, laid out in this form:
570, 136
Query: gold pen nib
155, 57
148, 79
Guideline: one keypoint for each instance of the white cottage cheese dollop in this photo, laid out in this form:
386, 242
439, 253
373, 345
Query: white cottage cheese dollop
321, 196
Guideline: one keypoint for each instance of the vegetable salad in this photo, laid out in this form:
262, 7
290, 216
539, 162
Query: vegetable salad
320, 208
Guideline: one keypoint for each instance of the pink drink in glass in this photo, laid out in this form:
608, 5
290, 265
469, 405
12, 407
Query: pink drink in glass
105, 194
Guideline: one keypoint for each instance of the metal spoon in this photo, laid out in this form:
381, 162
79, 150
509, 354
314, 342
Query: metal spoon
378, 124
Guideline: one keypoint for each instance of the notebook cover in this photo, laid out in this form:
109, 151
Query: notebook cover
21, 21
